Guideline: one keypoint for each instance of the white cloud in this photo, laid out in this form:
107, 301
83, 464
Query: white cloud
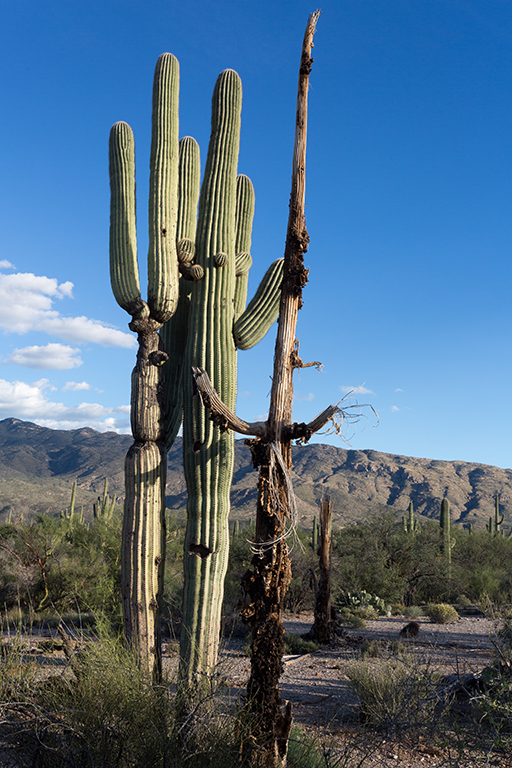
58, 357
30, 402
82, 329
4, 264
26, 304
75, 386
398, 389
395, 408
298, 396
362, 390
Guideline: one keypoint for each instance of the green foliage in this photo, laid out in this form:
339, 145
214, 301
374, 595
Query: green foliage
62, 564
441, 613
394, 694
381, 558
294, 644
109, 713
363, 601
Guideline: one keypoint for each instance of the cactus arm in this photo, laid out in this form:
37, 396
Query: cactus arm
244, 218
262, 310
174, 332
163, 191
124, 269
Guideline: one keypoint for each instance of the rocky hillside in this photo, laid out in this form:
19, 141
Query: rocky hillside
38, 466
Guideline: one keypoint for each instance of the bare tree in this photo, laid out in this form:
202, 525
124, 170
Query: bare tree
266, 584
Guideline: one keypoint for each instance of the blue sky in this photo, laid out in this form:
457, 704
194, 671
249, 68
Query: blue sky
408, 204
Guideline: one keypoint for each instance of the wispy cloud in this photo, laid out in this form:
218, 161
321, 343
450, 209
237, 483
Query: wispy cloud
398, 389
31, 402
58, 357
4, 264
361, 390
26, 304
395, 408
299, 396
75, 386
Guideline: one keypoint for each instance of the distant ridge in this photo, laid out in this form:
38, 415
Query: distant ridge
38, 466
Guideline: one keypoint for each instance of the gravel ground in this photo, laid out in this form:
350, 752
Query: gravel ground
323, 703
317, 685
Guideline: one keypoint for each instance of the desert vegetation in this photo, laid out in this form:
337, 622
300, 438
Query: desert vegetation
101, 708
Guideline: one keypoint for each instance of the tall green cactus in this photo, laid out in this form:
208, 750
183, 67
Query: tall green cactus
494, 525
143, 535
410, 525
212, 251
447, 542
314, 535
218, 324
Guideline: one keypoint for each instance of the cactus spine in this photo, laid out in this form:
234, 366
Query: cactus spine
145, 465
218, 324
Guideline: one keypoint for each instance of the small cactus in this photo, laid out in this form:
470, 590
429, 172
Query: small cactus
494, 525
410, 525
314, 534
447, 542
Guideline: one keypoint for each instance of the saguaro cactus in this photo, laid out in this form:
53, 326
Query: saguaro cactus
212, 251
447, 543
494, 525
218, 324
409, 523
145, 466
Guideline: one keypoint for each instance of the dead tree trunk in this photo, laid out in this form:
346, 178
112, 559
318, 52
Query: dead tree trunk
324, 627
266, 585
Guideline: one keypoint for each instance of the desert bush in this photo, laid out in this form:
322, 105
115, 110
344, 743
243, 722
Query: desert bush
295, 644
412, 612
441, 613
394, 695
463, 601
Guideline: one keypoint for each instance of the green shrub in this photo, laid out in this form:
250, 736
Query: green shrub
463, 601
295, 645
394, 695
363, 603
412, 612
441, 613
107, 712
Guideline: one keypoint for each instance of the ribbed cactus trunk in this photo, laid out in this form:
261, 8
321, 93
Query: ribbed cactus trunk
208, 453
212, 252
143, 537
214, 263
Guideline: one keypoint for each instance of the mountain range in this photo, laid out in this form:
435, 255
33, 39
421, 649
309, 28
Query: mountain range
38, 466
